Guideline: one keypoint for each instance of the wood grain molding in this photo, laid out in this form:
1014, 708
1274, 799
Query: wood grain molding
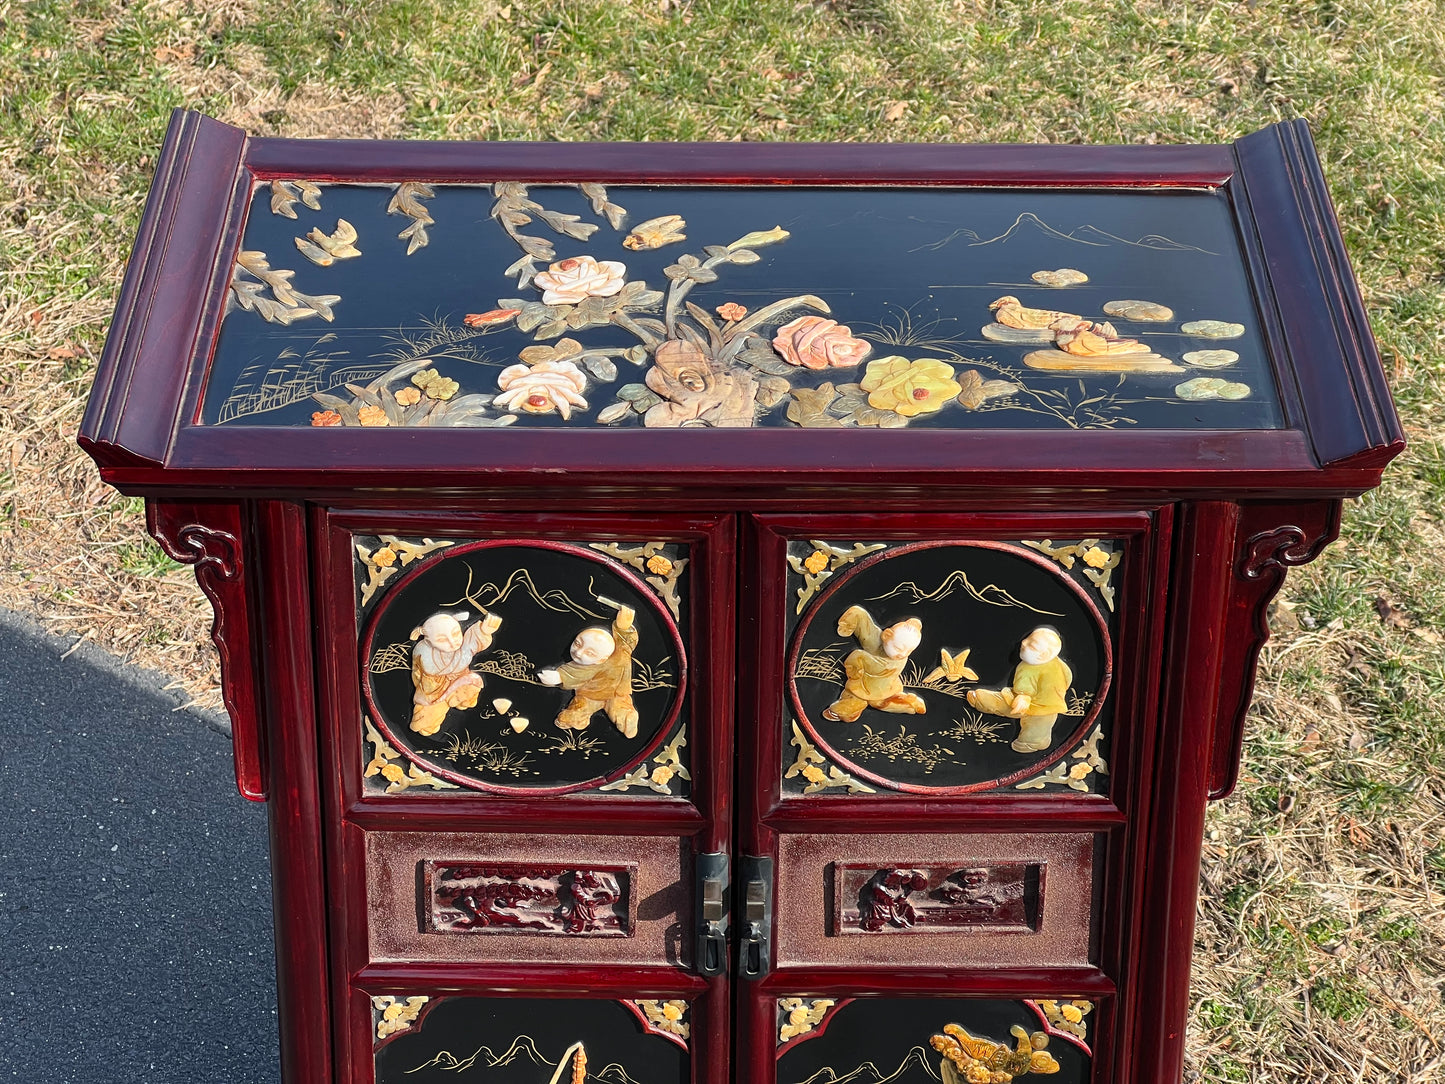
1271, 538
207, 535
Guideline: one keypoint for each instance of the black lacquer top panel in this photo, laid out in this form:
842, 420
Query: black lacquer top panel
866, 307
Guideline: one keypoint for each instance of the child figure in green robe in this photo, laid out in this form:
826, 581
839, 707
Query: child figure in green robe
1038, 692
874, 669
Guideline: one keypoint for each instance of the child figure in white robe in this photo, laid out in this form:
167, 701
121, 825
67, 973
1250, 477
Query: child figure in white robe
441, 666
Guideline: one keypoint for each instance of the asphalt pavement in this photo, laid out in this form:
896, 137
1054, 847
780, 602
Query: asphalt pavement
135, 898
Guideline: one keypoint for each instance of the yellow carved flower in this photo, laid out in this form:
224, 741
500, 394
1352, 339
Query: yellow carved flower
908, 387
659, 565
373, 416
385, 557
393, 772
435, 385
408, 396
814, 774
1095, 557
672, 1011
1071, 1014
816, 562
662, 775
798, 1017
1078, 771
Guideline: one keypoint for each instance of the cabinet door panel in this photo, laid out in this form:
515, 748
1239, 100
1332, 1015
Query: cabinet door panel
915, 1040
524, 1040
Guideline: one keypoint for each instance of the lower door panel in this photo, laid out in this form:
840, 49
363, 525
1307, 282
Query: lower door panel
507, 1039
915, 1040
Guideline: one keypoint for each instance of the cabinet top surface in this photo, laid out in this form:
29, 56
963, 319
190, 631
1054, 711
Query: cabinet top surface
948, 309
733, 307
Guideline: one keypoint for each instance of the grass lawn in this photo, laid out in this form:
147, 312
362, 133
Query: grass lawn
1321, 943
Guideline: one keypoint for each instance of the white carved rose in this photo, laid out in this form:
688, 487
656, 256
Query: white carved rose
542, 388
577, 278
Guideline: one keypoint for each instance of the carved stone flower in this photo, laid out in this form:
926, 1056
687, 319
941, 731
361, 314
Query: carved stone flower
813, 774
375, 416
662, 775
1079, 770
408, 396
659, 565
732, 311
672, 1010
1096, 557
577, 278
384, 557
908, 387
325, 418
435, 385
393, 772
818, 343
816, 561
541, 389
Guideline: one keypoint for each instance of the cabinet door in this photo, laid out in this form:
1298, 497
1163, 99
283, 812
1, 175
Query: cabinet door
942, 718
528, 778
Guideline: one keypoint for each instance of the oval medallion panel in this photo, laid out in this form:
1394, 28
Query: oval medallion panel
949, 667
533, 668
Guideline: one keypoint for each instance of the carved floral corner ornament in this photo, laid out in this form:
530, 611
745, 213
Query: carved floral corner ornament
667, 1018
385, 765
662, 568
659, 775
1099, 558
799, 1015
1067, 1017
815, 769
394, 1014
1086, 760
825, 559
390, 557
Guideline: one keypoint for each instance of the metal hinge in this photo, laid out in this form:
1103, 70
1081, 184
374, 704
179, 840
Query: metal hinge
712, 913
755, 933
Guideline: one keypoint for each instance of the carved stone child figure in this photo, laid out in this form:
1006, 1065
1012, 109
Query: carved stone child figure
873, 669
599, 675
1040, 684
441, 666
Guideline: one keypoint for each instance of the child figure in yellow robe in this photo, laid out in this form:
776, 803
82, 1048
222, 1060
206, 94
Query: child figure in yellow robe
599, 675
1037, 696
441, 672
874, 669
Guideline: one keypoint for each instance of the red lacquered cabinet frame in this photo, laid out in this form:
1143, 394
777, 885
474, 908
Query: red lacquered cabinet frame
903, 719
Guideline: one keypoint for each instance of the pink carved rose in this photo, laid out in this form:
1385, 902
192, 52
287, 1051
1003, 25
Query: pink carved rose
577, 278
818, 343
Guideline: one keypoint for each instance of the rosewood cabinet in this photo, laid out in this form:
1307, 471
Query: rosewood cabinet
758, 613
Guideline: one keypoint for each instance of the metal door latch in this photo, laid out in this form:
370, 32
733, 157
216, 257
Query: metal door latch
712, 913
754, 943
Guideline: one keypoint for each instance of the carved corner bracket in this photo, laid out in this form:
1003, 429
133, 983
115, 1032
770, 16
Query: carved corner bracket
208, 536
1270, 539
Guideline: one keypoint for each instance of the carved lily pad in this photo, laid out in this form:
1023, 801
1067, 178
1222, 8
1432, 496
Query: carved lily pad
1211, 359
1064, 276
1000, 333
1211, 387
1213, 329
1139, 310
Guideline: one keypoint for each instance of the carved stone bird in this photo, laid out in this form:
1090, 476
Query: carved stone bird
1010, 312
1090, 340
